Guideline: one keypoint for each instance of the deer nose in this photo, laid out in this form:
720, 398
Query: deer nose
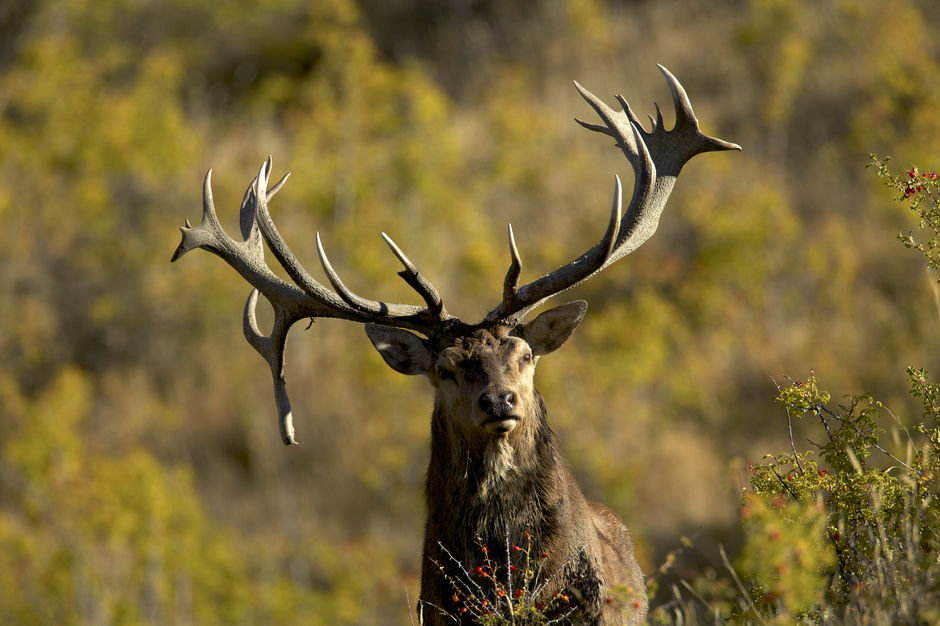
497, 402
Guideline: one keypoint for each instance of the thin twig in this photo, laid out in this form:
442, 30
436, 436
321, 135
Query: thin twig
784, 483
796, 456
737, 581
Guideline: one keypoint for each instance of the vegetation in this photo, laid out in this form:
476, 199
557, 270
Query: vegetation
845, 532
142, 479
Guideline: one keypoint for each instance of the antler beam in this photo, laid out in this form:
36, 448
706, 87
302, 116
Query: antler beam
657, 157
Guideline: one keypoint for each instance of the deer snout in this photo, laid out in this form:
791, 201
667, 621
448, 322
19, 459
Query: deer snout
496, 403
499, 410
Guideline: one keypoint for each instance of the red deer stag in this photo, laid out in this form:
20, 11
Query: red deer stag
496, 477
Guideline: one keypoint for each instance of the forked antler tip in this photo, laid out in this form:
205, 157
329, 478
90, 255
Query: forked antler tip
685, 114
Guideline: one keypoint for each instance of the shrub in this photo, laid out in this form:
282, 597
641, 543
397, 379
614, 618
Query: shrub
847, 530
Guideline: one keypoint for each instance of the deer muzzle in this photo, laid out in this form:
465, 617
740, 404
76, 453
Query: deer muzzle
498, 406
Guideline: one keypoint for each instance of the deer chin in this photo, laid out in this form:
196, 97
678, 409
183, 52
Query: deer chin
498, 463
501, 425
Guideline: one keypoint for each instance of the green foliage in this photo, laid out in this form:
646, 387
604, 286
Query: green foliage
853, 537
785, 555
88, 536
871, 518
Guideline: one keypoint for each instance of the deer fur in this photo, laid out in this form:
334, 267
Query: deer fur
497, 479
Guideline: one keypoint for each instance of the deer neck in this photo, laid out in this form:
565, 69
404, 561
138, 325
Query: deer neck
493, 487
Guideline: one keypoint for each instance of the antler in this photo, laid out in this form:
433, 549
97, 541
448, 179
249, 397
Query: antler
308, 298
657, 157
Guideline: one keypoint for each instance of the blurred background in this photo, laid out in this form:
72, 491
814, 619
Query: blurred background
142, 477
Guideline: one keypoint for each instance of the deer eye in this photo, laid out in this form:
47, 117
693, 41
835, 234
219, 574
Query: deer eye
527, 357
444, 373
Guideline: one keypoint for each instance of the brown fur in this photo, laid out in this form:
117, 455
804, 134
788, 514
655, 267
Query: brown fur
486, 487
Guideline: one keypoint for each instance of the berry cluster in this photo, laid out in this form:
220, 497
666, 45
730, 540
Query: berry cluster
916, 184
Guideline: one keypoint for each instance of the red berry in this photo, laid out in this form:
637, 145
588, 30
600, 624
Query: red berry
517, 594
478, 569
512, 568
822, 472
636, 604
516, 548
543, 556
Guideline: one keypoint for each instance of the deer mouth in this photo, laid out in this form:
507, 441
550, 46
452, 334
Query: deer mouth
501, 424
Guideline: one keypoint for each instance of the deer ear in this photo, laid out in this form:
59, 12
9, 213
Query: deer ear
404, 351
552, 328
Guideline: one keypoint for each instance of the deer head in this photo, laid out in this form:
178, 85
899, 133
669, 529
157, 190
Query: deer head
656, 156
483, 379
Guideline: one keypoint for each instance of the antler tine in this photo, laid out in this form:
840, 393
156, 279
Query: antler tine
511, 282
209, 233
658, 122
418, 282
617, 124
279, 248
271, 348
363, 304
657, 157
517, 302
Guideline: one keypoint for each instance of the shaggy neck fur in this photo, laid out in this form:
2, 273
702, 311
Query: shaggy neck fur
483, 489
